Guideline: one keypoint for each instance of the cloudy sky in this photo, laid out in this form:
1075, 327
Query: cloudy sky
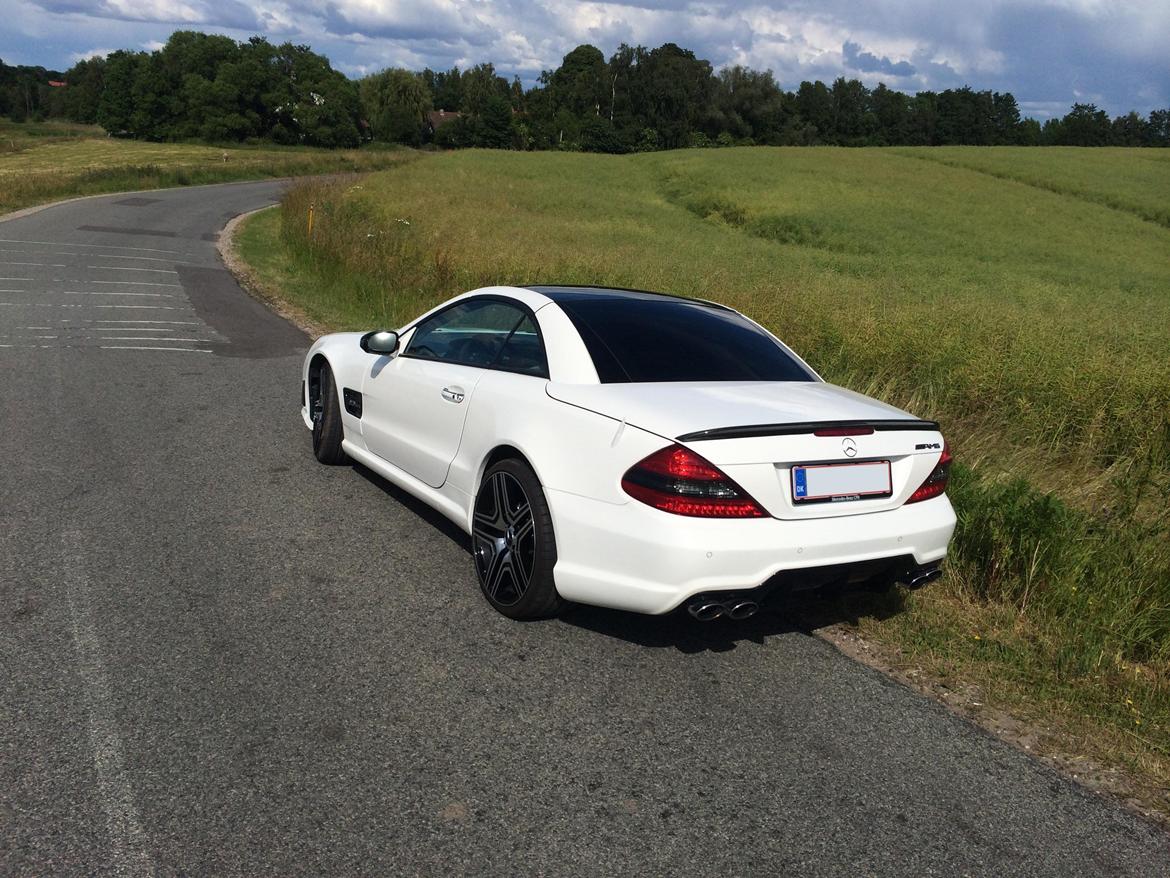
1049, 53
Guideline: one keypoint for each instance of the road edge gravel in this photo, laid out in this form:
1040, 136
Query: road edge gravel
965, 702
252, 283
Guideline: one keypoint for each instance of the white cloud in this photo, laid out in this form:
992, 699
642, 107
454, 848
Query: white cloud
90, 53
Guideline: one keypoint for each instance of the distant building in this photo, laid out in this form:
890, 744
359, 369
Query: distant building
57, 83
436, 119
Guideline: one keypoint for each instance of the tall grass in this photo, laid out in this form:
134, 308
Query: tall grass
1033, 324
1136, 181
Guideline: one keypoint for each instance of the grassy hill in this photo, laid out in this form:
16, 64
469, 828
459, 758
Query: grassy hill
1019, 296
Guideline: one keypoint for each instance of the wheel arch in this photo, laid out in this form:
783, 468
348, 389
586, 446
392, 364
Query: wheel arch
313, 388
501, 451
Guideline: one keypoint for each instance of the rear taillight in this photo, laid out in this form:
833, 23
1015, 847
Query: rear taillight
675, 479
936, 482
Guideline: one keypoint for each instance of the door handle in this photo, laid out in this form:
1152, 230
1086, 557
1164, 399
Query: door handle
453, 394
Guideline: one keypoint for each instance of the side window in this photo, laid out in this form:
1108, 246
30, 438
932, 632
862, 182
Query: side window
523, 352
471, 333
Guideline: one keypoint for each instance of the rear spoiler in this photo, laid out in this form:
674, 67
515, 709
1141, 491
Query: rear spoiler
755, 430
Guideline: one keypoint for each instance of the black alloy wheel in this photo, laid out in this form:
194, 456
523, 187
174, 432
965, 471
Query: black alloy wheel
513, 544
325, 410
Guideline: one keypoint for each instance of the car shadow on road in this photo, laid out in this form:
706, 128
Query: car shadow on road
440, 523
802, 613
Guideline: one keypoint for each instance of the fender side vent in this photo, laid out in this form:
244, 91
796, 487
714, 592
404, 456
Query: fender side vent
353, 402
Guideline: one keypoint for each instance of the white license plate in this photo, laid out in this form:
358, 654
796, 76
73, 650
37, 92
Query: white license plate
841, 482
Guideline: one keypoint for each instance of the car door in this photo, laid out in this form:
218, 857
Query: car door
415, 404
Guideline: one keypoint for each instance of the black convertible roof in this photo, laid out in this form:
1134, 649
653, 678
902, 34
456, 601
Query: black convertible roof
559, 293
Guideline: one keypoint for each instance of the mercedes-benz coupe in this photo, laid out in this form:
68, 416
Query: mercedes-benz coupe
633, 450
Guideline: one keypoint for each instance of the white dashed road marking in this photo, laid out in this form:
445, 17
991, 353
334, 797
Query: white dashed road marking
98, 246
168, 322
130, 268
139, 307
141, 348
112, 293
136, 283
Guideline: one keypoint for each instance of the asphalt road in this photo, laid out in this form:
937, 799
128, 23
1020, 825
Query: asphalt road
221, 658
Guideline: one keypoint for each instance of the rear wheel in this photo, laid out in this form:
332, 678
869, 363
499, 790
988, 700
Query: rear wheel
513, 543
326, 412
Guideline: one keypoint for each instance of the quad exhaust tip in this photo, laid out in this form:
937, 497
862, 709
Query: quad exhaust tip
743, 610
708, 610
921, 577
705, 611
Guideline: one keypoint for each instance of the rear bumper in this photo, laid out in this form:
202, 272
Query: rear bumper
633, 557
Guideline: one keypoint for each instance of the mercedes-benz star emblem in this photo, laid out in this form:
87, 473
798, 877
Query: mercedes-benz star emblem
849, 447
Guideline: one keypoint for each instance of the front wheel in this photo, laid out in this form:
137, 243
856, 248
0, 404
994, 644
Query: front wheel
326, 413
513, 543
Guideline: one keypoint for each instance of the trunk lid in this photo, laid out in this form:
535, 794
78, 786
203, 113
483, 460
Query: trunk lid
756, 432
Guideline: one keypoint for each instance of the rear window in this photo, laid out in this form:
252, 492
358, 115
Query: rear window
642, 340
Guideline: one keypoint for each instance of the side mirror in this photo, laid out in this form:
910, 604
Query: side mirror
382, 342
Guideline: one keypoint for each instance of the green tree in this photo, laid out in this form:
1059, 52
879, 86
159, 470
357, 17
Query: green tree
495, 124
1005, 118
1028, 133
598, 135
815, 106
891, 110
676, 92
314, 104
852, 123
1052, 133
965, 117
579, 84
1158, 128
116, 104
151, 116
480, 84
446, 88
747, 104
1085, 125
923, 119
1128, 130
395, 103
86, 80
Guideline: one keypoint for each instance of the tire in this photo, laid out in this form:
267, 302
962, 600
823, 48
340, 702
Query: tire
327, 432
512, 543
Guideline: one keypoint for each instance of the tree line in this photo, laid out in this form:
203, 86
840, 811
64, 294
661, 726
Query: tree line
198, 87
209, 87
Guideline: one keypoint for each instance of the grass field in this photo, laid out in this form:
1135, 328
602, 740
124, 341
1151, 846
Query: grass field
1135, 180
1021, 297
41, 162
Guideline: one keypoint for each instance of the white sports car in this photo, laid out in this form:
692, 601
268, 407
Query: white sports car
633, 450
